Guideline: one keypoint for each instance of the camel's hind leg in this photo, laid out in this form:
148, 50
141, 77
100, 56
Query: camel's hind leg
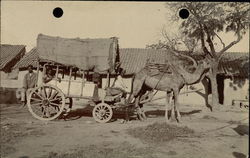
137, 86
168, 97
176, 105
172, 106
143, 113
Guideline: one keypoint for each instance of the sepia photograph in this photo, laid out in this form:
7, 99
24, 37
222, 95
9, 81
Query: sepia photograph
120, 79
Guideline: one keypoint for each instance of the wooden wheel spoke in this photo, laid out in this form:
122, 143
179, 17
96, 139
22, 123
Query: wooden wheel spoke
44, 92
41, 92
35, 99
46, 112
50, 91
43, 111
46, 102
37, 111
55, 99
54, 95
51, 109
36, 104
38, 95
54, 104
102, 112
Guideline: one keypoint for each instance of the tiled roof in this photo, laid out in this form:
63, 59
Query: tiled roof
28, 59
134, 59
9, 53
235, 63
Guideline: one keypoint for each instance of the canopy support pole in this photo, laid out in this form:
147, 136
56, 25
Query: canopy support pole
70, 75
106, 86
83, 82
56, 73
37, 69
108, 81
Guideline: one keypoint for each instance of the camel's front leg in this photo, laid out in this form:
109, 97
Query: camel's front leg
176, 104
138, 109
143, 114
167, 106
172, 106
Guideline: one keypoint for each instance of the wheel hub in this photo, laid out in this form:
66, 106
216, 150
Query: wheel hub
102, 112
46, 102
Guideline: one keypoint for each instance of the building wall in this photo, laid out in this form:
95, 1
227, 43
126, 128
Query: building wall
7, 82
75, 88
237, 89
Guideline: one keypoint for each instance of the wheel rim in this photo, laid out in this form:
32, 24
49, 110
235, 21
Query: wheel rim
102, 113
46, 102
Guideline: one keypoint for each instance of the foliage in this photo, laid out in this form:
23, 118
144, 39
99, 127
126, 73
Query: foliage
206, 22
208, 19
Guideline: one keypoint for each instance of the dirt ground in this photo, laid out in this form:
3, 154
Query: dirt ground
222, 133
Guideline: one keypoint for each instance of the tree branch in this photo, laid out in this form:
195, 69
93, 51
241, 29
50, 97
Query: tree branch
203, 42
200, 22
210, 42
239, 37
220, 40
164, 34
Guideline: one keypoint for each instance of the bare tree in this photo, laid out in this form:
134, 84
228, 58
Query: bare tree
206, 21
173, 40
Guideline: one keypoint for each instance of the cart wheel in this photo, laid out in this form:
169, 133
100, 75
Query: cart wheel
46, 102
102, 113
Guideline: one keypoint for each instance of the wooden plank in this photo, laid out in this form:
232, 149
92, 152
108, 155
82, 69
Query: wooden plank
73, 81
78, 96
44, 71
70, 75
57, 67
37, 69
83, 82
108, 80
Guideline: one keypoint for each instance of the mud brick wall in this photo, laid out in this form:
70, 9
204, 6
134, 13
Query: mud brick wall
8, 96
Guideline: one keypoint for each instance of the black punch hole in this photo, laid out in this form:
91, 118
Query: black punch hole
184, 13
58, 12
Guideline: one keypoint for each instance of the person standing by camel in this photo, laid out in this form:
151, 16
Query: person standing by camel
29, 82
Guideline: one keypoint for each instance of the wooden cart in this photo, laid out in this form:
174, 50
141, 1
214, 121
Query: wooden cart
47, 101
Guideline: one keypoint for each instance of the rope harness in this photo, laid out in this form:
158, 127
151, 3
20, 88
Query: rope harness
163, 68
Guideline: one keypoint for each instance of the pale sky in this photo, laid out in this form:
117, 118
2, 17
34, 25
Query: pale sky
136, 24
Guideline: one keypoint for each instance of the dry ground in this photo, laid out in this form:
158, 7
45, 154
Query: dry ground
219, 134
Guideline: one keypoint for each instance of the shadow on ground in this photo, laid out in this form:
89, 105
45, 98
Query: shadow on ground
159, 113
242, 129
87, 112
120, 113
239, 155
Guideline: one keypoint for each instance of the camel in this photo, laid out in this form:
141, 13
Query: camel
168, 82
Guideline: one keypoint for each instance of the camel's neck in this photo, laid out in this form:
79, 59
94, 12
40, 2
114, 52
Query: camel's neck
191, 78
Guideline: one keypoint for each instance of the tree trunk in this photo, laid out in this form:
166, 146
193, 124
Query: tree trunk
207, 87
212, 75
